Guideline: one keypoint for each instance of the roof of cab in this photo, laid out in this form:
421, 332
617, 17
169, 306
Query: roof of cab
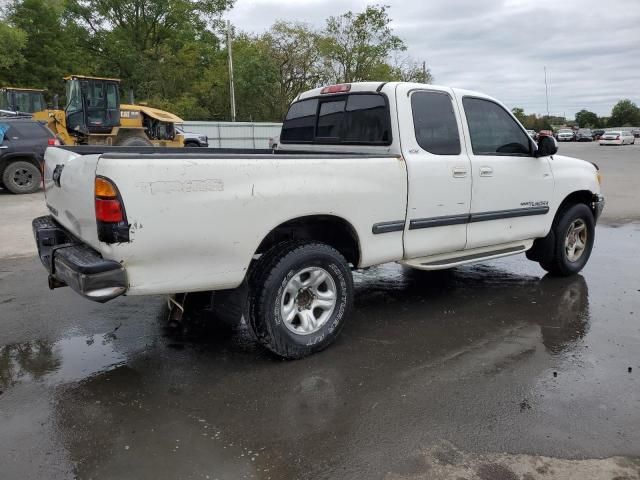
89, 77
378, 86
18, 89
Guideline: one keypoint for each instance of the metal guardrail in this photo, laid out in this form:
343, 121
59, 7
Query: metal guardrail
235, 134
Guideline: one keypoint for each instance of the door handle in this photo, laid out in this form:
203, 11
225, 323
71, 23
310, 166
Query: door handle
486, 172
4, 146
460, 172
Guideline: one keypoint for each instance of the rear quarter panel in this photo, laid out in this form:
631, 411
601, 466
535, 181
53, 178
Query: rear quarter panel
196, 223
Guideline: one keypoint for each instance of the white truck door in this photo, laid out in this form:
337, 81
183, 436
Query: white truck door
439, 171
512, 189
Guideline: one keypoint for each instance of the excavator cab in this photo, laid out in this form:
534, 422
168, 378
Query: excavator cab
93, 104
16, 101
93, 115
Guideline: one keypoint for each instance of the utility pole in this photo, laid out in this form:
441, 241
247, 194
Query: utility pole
232, 92
546, 89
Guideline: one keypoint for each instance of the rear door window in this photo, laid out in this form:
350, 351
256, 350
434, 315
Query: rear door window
434, 122
31, 130
347, 119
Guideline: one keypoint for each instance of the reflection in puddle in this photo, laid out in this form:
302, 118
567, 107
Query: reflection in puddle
66, 360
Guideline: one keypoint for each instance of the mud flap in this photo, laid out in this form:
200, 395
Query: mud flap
543, 249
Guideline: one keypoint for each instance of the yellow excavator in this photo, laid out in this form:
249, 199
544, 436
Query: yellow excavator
93, 115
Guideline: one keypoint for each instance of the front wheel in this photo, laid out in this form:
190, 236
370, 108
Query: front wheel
574, 235
300, 294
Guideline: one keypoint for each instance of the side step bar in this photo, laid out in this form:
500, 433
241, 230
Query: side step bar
455, 259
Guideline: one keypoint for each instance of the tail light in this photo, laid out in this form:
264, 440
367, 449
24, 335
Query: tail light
53, 142
339, 88
110, 214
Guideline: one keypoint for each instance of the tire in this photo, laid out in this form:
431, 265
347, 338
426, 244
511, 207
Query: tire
134, 142
565, 263
191, 144
22, 177
290, 277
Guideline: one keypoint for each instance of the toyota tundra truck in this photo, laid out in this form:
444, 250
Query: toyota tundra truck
363, 174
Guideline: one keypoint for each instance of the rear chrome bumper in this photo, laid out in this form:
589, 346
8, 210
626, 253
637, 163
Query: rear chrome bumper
73, 263
598, 206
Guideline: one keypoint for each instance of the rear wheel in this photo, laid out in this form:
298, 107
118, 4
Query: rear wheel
574, 235
22, 177
300, 294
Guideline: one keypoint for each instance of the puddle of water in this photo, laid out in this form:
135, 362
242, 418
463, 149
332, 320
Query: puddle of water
67, 360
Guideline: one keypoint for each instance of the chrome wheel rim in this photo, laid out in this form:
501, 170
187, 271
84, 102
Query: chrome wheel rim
308, 300
575, 242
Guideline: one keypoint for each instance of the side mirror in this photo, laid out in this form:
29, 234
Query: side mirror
547, 146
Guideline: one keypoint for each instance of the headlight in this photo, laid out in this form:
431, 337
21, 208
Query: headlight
599, 177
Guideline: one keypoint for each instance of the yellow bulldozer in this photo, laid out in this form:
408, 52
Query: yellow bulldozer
93, 115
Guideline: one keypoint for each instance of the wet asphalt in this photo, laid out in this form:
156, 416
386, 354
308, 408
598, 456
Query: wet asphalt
491, 371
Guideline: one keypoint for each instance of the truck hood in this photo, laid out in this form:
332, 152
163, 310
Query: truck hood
572, 162
572, 174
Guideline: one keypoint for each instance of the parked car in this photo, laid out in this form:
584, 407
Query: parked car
192, 139
617, 137
598, 133
636, 132
566, 135
22, 145
545, 133
584, 135
437, 184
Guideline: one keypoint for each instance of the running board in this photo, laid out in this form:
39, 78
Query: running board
455, 259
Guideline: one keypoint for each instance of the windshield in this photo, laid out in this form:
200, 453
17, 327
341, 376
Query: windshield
612, 133
4, 102
22, 101
565, 131
74, 99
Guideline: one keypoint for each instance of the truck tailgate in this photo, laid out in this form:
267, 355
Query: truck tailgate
69, 191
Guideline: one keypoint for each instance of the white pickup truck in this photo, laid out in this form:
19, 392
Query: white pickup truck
364, 173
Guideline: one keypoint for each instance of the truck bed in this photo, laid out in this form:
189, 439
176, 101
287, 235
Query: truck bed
198, 152
197, 216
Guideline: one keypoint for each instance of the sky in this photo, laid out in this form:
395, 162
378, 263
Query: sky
591, 48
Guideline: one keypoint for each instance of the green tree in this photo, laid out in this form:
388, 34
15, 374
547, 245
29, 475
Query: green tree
625, 113
587, 119
49, 47
13, 41
158, 47
355, 45
407, 70
293, 50
518, 112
